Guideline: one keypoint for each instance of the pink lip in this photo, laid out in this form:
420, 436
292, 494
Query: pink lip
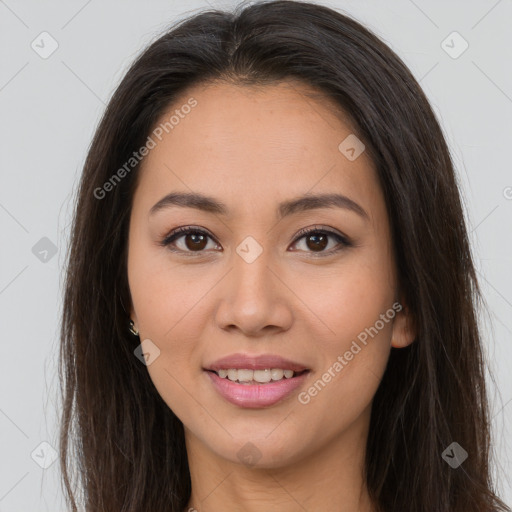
257, 395
255, 362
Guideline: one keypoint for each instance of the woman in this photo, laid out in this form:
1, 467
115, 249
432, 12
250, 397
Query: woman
270, 300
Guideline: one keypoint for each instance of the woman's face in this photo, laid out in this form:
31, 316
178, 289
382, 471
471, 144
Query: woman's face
247, 283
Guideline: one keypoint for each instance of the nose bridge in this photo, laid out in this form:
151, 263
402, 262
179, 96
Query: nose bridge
251, 272
251, 279
252, 297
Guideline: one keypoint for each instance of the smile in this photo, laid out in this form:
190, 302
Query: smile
256, 388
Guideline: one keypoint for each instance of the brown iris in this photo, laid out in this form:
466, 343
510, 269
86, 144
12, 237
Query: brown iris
196, 241
319, 241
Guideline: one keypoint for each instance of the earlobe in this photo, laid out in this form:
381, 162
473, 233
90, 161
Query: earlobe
404, 332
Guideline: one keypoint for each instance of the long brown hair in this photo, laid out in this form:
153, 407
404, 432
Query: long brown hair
125, 444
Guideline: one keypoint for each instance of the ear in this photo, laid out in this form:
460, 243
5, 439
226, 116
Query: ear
131, 313
133, 317
404, 331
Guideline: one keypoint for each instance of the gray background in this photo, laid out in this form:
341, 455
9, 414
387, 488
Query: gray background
50, 108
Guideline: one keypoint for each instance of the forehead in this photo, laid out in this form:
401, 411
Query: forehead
254, 144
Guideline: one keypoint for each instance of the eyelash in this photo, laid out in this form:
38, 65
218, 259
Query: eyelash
180, 232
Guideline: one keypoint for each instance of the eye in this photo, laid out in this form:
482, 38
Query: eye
316, 239
195, 239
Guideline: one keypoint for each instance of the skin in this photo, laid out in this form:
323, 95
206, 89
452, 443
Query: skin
252, 148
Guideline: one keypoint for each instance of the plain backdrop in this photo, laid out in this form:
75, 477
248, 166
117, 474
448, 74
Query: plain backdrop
50, 106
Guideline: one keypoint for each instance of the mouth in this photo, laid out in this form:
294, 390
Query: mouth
255, 380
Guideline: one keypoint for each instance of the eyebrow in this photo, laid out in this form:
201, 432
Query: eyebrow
286, 208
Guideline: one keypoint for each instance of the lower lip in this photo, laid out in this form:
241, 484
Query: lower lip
257, 395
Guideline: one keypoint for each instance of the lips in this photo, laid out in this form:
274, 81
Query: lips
255, 394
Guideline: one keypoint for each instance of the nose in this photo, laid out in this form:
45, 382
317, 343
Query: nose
253, 299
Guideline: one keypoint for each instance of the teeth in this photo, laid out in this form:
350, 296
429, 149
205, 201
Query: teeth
244, 375
276, 374
260, 376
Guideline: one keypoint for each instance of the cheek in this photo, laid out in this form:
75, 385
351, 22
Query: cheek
353, 361
168, 307
167, 302
162, 291
349, 298
356, 306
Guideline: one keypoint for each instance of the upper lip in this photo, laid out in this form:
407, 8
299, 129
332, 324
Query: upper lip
255, 362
